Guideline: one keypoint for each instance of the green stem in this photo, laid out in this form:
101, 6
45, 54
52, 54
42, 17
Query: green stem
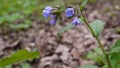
100, 44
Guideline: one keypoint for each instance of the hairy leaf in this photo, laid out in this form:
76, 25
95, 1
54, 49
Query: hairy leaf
83, 4
26, 65
115, 48
20, 55
97, 26
115, 54
96, 55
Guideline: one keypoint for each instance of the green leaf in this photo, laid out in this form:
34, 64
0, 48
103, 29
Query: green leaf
25, 25
96, 55
117, 44
27, 11
97, 26
88, 66
8, 66
19, 52
13, 17
116, 47
115, 54
70, 26
115, 50
118, 66
105, 66
98, 50
83, 4
115, 59
20, 55
26, 65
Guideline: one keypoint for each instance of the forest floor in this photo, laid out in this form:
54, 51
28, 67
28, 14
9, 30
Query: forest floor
70, 50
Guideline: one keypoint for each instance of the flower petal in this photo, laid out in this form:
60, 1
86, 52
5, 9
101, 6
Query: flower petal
46, 13
69, 12
76, 21
53, 21
48, 8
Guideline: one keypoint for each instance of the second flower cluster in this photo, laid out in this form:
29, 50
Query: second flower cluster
69, 12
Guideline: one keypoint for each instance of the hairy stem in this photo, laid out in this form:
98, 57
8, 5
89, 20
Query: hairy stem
97, 39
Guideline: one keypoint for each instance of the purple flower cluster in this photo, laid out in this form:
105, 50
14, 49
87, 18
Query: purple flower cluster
47, 12
53, 20
69, 12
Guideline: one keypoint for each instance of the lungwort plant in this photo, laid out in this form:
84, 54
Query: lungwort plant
111, 58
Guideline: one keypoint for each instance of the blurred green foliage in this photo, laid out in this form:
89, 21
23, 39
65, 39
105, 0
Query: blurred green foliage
16, 13
97, 56
114, 56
